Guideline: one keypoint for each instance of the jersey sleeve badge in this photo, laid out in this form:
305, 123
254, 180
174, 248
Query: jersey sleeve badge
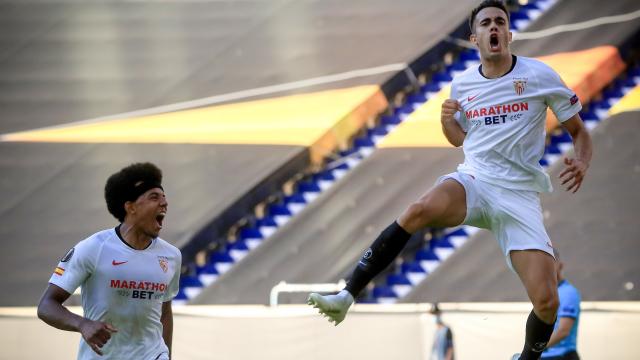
58, 271
574, 99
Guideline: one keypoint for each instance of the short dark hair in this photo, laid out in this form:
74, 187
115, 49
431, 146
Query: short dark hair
128, 184
485, 4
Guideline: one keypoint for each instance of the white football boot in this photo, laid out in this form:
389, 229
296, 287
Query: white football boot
333, 307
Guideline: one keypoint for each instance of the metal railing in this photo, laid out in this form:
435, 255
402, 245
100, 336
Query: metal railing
284, 287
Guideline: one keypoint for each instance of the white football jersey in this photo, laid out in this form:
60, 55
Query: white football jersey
124, 287
504, 119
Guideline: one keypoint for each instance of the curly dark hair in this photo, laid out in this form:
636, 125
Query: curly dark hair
485, 4
128, 184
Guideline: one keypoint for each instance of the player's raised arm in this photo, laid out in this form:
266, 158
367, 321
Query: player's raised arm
450, 127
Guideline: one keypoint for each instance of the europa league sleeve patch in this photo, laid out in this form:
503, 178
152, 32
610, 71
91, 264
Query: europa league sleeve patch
68, 256
574, 99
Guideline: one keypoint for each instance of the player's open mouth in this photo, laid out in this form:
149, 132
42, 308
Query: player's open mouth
160, 218
494, 42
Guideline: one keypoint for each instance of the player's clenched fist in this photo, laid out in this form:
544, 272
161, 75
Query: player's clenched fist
449, 108
96, 334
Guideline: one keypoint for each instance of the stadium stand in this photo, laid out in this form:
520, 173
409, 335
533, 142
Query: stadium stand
200, 141
602, 65
69, 64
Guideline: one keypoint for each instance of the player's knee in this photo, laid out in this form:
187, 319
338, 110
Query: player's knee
417, 215
547, 304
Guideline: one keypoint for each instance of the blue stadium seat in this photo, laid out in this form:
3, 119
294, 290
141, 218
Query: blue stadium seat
189, 281
552, 149
239, 245
390, 120
601, 104
220, 257
519, 15
268, 220
250, 233
400, 284
277, 209
414, 267
458, 232
208, 269
341, 166
404, 109
324, 175
181, 296
469, 55
222, 260
530, 6
397, 279
416, 98
348, 152
238, 250
456, 66
207, 274
363, 142
383, 292
426, 254
430, 87
308, 186
251, 236
378, 131
614, 92
560, 137
588, 114
442, 76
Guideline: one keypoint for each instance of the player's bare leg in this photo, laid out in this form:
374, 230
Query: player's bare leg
442, 206
537, 272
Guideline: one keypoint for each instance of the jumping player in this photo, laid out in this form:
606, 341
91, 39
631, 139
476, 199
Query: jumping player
128, 276
497, 113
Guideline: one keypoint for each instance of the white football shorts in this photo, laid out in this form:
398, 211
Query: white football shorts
513, 216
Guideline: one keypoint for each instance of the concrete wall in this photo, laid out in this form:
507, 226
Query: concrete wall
481, 331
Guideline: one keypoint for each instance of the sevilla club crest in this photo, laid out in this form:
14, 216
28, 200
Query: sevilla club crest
164, 263
519, 84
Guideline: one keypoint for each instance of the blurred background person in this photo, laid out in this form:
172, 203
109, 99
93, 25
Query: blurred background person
442, 348
562, 345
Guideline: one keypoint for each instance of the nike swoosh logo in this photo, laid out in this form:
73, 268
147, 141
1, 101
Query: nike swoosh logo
470, 98
116, 263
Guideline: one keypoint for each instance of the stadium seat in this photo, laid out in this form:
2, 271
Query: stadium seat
384, 294
364, 141
191, 286
390, 120
181, 298
399, 283
221, 260
414, 272
207, 274
430, 87
442, 77
238, 250
427, 259
418, 98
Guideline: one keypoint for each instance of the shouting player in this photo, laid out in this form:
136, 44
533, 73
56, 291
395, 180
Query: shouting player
128, 275
497, 113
